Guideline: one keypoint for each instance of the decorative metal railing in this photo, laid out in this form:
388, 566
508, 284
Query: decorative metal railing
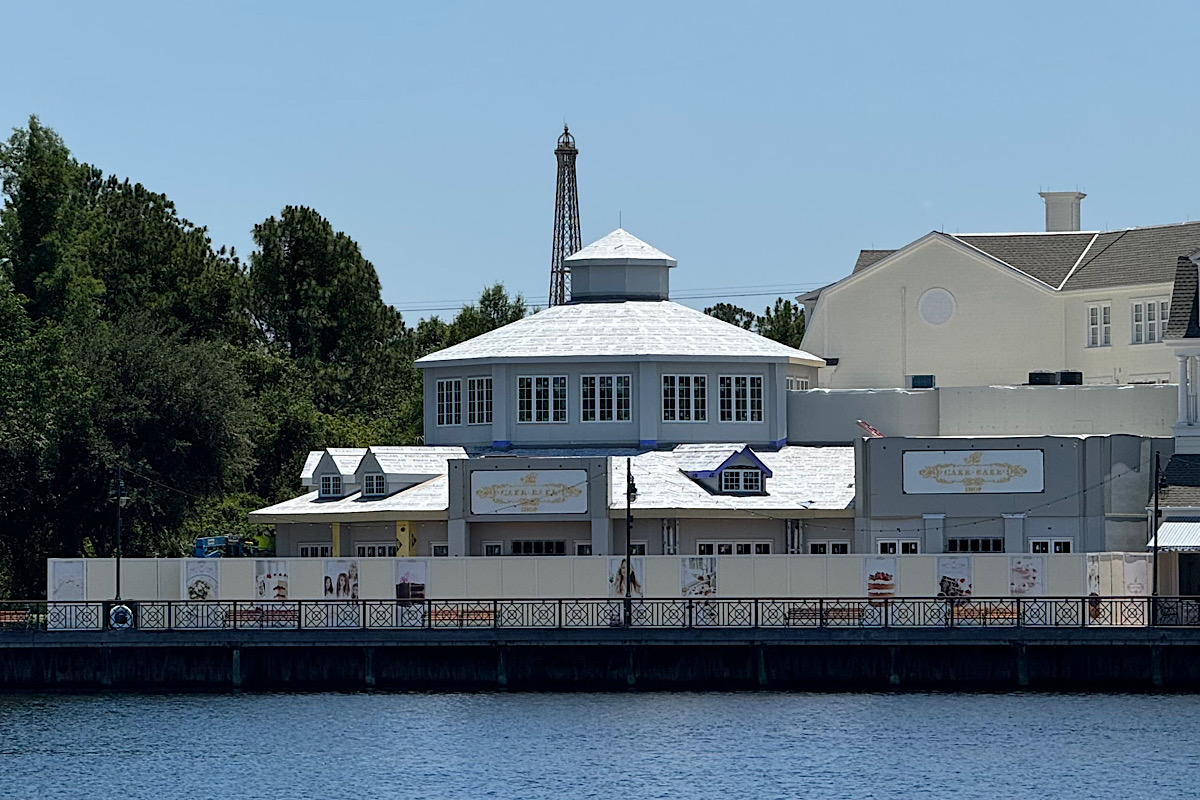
683, 613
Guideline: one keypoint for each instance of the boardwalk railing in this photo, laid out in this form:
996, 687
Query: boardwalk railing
683, 613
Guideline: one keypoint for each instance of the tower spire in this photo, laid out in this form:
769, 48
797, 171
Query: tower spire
567, 240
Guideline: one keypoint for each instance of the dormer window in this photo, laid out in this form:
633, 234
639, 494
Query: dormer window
331, 486
374, 485
739, 480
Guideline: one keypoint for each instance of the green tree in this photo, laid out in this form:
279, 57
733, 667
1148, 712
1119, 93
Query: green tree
495, 309
784, 323
734, 315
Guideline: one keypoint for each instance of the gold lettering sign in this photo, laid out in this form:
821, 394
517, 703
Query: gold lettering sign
528, 494
974, 472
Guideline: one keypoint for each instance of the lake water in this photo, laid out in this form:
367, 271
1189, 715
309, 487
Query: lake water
610, 746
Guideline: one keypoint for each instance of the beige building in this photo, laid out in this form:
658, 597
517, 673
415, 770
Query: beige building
987, 309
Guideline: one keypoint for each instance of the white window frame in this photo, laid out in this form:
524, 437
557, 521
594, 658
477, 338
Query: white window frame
449, 402
741, 484
538, 394
377, 549
832, 547
583, 544
315, 549
498, 546
479, 400
1099, 324
746, 547
797, 384
740, 398
331, 486
969, 539
1051, 545
684, 397
439, 549
897, 546
1148, 319
370, 489
592, 401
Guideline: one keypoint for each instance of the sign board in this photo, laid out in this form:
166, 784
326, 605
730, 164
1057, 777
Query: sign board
533, 491
973, 471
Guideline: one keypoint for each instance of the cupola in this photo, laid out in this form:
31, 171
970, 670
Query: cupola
619, 267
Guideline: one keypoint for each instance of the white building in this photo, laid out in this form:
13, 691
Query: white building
986, 309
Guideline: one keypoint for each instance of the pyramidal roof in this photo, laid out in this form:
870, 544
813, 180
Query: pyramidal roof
621, 246
639, 330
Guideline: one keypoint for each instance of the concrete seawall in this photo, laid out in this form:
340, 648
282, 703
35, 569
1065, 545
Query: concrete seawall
819, 660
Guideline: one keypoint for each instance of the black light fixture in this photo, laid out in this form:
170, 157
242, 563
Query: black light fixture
630, 496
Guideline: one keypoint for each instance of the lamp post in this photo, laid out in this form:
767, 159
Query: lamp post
121, 499
1154, 526
630, 496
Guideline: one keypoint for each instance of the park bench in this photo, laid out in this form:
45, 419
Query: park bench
451, 617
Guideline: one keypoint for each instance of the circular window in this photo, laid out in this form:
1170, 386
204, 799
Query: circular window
936, 306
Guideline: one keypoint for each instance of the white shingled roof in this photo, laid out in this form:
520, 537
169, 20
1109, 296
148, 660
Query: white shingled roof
816, 478
637, 329
416, 461
705, 457
347, 459
621, 245
310, 464
425, 500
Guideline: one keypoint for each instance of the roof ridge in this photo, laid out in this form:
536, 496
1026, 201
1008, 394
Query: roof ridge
1079, 260
997, 259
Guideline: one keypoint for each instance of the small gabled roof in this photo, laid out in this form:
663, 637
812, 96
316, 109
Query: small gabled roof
1183, 321
344, 459
707, 460
621, 246
310, 464
868, 257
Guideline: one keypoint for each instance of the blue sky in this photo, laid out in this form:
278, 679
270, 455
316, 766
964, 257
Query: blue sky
760, 144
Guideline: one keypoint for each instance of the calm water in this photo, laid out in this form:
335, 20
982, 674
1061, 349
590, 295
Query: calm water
603, 746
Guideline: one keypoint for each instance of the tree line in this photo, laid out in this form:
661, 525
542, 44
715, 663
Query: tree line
128, 338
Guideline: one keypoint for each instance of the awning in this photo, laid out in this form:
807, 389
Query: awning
1178, 535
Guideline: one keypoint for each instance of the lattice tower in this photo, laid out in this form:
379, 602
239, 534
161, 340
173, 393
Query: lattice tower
567, 238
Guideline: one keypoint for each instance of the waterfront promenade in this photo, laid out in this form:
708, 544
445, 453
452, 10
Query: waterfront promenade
1096, 644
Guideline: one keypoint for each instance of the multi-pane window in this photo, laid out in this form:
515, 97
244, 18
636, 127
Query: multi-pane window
493, 548
1049, 545
539, 547
377, 550
439, 549
449, 401
797, 384
733, 548
1148, 320
331, 486
542, 398
828, 548
479, 401
604, 398
583, 548
905, 547
684, 398
984, 544
741, 480
374, 484
315, 550
1099, 328
741, 398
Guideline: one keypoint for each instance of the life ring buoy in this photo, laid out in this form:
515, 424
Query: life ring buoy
120, 617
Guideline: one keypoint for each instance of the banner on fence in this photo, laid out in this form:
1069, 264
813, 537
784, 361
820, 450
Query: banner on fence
201, 580
954, 576
271, 580
618, 575
68, 580
341, 579
879, 577
1026, 576
1137, 574
412, 579
697, 576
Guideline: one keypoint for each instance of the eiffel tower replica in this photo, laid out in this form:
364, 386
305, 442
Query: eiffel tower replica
567, 239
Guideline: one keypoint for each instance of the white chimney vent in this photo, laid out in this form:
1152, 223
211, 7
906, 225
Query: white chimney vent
1062, 210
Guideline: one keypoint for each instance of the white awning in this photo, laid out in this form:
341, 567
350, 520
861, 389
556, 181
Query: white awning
1178, 535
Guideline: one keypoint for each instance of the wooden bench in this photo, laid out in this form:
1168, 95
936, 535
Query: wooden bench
15, 617
965, 611
263, 617
809, 615
461, 617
